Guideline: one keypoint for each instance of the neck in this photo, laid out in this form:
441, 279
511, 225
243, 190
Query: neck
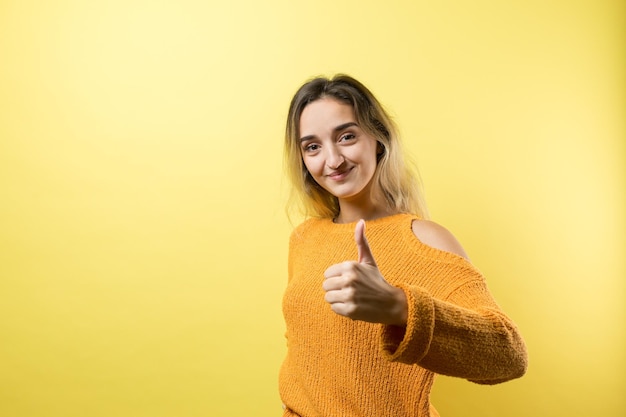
350, 212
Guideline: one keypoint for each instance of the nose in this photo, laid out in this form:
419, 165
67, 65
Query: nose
334, 158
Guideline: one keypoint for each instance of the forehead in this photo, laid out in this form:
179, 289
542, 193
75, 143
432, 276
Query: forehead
324, 114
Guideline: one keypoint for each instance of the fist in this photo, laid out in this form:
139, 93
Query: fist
357, 290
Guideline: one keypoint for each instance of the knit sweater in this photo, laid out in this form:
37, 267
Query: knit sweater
336, 366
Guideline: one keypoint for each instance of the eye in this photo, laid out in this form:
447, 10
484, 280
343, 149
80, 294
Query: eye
311, 147
347, 137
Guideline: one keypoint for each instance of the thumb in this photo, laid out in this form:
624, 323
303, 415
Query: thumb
363, 247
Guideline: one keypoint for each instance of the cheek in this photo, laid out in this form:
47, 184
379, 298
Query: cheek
312, 165
366, 155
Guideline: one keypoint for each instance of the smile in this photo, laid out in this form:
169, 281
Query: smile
339, 175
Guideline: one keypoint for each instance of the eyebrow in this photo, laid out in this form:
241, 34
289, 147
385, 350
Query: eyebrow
336, 129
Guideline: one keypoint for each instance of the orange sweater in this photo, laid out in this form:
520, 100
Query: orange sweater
339, 367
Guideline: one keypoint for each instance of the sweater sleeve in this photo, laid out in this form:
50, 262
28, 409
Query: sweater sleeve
466, 335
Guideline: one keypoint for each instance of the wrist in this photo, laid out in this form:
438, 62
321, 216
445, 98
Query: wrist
401, 309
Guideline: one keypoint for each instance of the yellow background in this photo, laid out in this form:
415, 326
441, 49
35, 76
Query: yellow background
142, 232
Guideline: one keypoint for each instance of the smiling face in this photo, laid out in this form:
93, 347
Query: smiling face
338, 154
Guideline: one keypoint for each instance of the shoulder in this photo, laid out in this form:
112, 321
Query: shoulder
437, 236
308, 227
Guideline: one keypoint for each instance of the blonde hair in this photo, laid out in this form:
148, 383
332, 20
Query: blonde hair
399, 185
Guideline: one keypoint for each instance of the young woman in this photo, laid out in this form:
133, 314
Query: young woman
371, 320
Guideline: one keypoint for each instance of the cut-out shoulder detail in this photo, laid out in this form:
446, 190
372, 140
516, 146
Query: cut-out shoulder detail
437, 236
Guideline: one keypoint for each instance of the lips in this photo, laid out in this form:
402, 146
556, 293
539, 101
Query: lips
339, 175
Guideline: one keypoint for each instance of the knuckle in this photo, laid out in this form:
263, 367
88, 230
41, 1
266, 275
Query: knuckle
349, 265
349, 293
337, 309
351, 310
350, 277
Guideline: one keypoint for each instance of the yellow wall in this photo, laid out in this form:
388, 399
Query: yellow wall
142, 232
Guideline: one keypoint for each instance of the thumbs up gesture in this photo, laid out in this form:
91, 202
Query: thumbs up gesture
356, 289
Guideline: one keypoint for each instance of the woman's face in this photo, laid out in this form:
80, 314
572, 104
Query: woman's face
338, 154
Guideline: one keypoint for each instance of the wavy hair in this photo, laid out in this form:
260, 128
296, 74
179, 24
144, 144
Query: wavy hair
399, 185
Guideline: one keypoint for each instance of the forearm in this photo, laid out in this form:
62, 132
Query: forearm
468, 337
482, 345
